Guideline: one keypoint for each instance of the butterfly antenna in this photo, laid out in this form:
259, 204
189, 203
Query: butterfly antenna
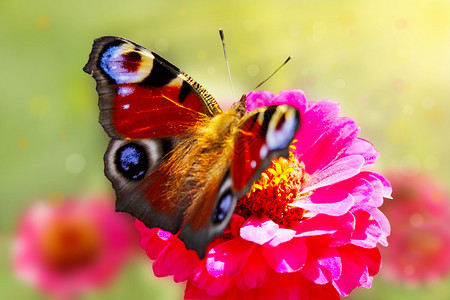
222, 38
282, 65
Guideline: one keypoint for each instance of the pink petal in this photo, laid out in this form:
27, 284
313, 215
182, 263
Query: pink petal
365, 149
255, 272
323, 264
367, 230
295, 98
387, 188
359, 188
285, 286
383, 223
372, 258
228, 258
175, 260
314, 123
354, 271
258, 99
330, 145
337, 171
377, 195
333, 202
340, 228
259, 230
235, 225
319, 292
205, 281
283, 235
287, 257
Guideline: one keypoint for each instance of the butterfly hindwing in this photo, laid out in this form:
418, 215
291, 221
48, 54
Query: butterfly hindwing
141, 94
129, 165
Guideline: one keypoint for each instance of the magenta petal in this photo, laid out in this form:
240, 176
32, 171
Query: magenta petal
205, 281
365, 149
340, 227
323, 265
372, 258
259, 230
359, 188
319, 292
337, 171
367, 230
254, 273
258, 99
175, 260
387, 188
283, 235
333, 202
384, 224
354, 271
228, 258
377, 195
330, 145
295, 98
287, 257
314, 122
154, 240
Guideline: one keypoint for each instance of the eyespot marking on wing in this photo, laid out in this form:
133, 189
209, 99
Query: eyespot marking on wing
125, 64
132, 161
282, 127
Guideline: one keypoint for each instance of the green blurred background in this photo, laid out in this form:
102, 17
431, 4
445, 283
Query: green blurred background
386, 62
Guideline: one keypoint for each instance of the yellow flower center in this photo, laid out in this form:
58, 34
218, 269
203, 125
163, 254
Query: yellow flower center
280, 184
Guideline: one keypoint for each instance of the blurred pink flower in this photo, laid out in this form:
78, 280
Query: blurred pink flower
309, 227
67, 248
420, 240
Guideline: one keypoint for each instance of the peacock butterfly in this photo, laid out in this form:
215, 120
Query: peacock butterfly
175, 159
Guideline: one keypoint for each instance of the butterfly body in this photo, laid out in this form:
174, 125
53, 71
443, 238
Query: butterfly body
176, 161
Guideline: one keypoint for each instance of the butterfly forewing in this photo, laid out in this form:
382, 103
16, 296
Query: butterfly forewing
142, 95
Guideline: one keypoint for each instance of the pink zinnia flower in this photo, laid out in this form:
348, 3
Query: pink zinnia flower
308, 229
420, 242
67, 248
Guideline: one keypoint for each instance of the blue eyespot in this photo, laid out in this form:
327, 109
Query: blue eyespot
223, 207
132, 161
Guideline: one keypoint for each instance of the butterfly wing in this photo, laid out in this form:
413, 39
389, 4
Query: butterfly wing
146, 106
266, 133
141, 94
262, 135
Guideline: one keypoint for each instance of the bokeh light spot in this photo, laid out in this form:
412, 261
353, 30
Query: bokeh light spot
416, 220
401, 23
22, 143
408, 109
63, 133
347, 18
55, 198
340, 83
319, 31
410, 165
211, 70
43, 21
161, 45
75, 163
39, 106
253, 70
398, 131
